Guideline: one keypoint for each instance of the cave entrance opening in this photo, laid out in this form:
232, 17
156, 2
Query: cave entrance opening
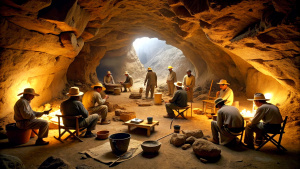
158, 55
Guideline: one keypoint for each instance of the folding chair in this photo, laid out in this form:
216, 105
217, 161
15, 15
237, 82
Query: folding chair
241, 133
270, 137
76, 128
181, 110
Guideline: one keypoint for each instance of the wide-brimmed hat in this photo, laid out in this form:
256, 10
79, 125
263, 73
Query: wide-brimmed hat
109, 73
170, 67
29, 91
149, 68
178, 84
223, 81
258, 96
99, 85
126, 73
74, 91
218, 101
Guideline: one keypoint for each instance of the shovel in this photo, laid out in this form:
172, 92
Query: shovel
126, 155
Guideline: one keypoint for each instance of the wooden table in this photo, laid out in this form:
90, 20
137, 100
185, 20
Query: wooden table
208, 102
111, 87
143, 124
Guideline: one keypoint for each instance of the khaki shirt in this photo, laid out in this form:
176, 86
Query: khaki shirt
172, 77
90, 98
108, 80
151, 79
268, 113
189, 81
229, 116
23, 110
227, 95
129, 80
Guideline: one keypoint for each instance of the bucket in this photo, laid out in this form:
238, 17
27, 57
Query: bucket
157, 98
119, 143
33, 134
17, 136
176, 128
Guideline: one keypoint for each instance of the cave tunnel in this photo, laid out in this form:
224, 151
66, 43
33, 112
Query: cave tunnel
50, 45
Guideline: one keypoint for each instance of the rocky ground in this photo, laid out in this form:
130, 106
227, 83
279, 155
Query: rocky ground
169, 156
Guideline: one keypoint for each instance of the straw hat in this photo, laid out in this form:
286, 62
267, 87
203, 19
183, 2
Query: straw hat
29, 91
218, 101
170, 67
126, 73
223, 81
74, 91
109, 73
188, 71
258, 96
149, 68
178, 84
100, 85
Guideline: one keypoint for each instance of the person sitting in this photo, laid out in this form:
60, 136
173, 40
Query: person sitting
179, 100
229, 121
73, 107
128, 82
108, 79
93, 97
225, 93
25, 117
269, 114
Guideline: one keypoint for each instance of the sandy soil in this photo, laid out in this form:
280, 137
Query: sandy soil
169, 156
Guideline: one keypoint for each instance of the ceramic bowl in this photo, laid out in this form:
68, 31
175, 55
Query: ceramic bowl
102, 134
151, 146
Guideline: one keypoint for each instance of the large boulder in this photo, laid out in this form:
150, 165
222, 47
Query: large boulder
10, 162
53, 162
195, 133
190, 140
178, 139
206, 149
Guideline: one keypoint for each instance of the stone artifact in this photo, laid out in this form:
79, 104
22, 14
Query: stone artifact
206, 149
190, 140
118, 112
10, 162
178, 139
53, 162
195, 133
135, 96
186, 146
125, 116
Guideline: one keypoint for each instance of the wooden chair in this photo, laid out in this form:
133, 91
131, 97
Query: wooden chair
76, 128
270, 137
181, 110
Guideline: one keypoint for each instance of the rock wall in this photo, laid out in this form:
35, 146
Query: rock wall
254, 44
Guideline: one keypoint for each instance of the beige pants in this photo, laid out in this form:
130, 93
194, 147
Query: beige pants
171, 88
100, 110
126, 85
151, 89
190, 94
40, 124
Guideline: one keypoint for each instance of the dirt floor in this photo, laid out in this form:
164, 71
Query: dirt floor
169, 156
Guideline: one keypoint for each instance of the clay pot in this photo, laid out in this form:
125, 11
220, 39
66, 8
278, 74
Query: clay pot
151, 146
102, 134
119, 143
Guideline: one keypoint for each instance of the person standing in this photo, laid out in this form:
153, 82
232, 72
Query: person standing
189, 83
171, 79
128, 82
151, 80
94, 103
73, 107
225, 93
229, 123
25, 117
179, 100
271, 120
108, 79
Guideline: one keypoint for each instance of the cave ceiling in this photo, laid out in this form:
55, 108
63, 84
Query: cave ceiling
234, 39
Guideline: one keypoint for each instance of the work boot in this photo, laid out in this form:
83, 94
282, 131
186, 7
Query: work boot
168, 116
89, 134
40, 142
